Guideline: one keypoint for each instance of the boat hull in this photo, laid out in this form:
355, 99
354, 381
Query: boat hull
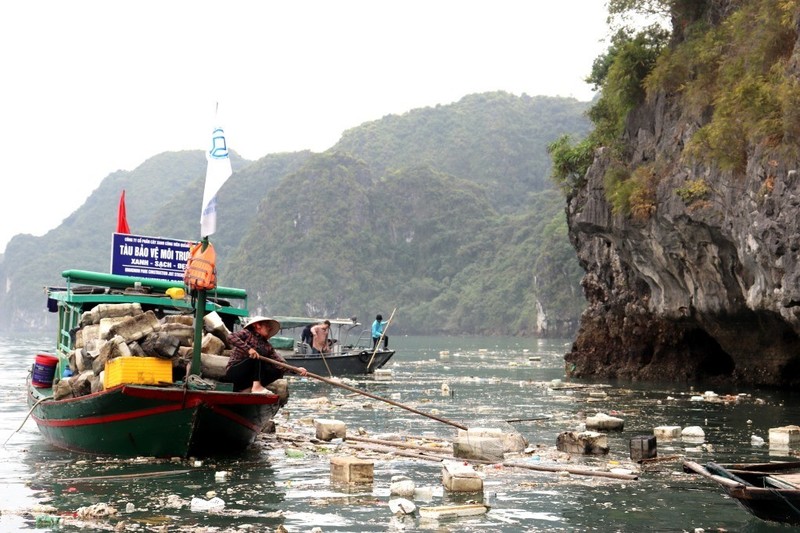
140, 420
351, 363
773, 505
759, 488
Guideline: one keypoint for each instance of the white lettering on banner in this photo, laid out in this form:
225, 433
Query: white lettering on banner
150, 257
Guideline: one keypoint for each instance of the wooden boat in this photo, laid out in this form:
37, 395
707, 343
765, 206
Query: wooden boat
345, 358
192, 416
770, 491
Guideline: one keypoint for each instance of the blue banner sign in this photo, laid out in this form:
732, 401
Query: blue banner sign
149, 257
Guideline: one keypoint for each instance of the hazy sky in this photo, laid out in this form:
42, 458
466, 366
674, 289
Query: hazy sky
90, 87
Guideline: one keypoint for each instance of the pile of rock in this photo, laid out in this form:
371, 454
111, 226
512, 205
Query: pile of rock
109, 331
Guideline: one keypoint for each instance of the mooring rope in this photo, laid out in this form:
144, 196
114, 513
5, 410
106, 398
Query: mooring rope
40, 400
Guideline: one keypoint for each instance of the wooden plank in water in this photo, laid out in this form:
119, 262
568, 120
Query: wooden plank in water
451, 511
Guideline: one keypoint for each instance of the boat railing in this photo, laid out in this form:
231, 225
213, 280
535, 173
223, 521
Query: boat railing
364, 340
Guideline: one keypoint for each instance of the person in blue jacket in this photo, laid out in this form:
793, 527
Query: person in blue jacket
377, 329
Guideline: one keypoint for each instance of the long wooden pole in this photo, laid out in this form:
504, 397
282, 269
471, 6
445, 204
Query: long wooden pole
383, 332
359, 391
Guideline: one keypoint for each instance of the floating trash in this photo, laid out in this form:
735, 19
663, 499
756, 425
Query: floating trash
452, 511
402, 506
200, 505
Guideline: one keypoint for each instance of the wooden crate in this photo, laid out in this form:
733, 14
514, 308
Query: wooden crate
138, 370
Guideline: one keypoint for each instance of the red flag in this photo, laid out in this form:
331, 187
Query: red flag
122, 216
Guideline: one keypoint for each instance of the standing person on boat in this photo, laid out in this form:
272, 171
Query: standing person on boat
245, 370
320, 335
306, 335
377, 331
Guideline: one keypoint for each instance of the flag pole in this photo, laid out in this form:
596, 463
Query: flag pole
218, 171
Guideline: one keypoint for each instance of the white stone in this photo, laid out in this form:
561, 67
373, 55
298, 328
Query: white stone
383, 374
328, 429
784, 436
585, 442
424, 494
214, 504
623, 471
460, 477
402, 487
401, 506
484, 448
481, 432
603, 422
667, 432
693, 432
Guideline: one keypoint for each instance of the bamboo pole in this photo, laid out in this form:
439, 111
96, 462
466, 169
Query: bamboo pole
115, 477
396, 443
387, 449
296, 370
571, 470
546, 417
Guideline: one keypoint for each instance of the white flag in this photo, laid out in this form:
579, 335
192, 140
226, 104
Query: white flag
218, 170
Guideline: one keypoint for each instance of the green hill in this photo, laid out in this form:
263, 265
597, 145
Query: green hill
446, 213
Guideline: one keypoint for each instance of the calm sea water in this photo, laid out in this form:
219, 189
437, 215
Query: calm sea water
491, 380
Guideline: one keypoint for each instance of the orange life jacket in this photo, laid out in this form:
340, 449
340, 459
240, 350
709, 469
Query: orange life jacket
201, 268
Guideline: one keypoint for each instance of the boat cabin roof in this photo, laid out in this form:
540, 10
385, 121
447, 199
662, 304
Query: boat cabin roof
289, 322
87, 289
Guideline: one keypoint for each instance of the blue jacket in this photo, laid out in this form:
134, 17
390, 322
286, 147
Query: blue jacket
377, 328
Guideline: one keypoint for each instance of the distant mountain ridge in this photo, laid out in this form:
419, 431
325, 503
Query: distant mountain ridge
446, 213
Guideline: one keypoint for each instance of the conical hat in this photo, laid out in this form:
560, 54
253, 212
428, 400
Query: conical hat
274, 325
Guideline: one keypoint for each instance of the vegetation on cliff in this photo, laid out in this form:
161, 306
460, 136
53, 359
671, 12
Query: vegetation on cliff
732, 63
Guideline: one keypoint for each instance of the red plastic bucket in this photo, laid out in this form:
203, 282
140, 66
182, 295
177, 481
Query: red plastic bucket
44, 369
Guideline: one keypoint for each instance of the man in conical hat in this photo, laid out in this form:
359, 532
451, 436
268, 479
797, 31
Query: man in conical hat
246, 370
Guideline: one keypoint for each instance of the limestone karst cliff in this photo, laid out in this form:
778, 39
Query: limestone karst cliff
703, 288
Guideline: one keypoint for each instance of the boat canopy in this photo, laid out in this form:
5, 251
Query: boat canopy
289, 322
114, 281
86, 289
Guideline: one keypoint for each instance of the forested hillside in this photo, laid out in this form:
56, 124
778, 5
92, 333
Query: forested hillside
446, 213
494, 139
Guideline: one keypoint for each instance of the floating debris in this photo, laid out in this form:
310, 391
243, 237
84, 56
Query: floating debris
402, 506
453, 511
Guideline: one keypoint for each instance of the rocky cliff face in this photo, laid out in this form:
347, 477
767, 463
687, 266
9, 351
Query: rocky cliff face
705, 292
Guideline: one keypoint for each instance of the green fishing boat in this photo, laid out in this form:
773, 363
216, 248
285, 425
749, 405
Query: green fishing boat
192, 415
